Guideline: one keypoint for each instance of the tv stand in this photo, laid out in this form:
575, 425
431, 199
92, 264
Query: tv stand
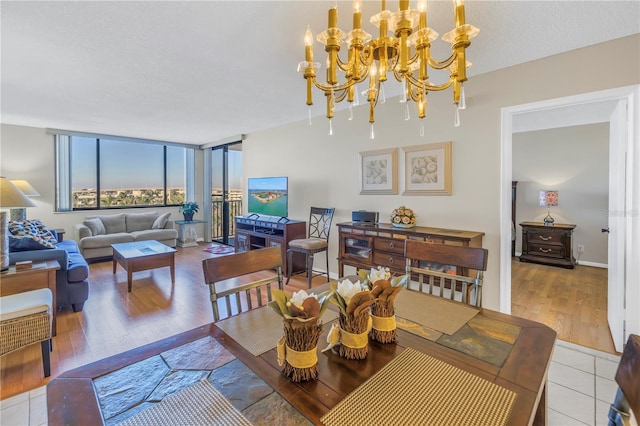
254, 233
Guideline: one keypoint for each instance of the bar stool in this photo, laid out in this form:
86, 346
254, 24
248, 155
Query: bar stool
25, 318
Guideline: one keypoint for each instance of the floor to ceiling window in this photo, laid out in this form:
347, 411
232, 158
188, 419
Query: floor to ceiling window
226, 191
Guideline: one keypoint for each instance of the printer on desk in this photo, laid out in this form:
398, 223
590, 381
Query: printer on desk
364, 216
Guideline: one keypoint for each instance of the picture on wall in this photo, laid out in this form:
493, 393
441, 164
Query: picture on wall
378, 171
427, 169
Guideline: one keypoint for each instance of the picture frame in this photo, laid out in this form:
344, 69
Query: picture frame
378, 171
427, 169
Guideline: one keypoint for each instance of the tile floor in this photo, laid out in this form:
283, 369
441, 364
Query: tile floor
580, 389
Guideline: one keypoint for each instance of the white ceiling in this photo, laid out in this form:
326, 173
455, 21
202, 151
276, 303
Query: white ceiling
202, 71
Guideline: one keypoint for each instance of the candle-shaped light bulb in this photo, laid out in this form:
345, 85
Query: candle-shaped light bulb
422, 9
373, 73
459, 12
357, 14
308, 45
333, 15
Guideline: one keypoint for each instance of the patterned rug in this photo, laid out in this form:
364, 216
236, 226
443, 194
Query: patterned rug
215, 248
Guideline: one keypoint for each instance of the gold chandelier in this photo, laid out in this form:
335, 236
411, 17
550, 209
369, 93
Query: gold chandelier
406, 54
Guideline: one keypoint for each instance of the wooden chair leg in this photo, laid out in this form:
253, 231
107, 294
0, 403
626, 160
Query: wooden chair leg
289, 265
45, 346
309, 269
327, 254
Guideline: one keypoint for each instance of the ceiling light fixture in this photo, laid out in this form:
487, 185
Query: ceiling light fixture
406, 54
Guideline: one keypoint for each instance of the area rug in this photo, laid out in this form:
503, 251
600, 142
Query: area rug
216, 248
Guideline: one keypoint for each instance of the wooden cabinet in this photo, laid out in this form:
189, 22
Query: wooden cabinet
260, 233
549, 245
365, 246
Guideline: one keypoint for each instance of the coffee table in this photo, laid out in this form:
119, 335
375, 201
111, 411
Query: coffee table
142, 256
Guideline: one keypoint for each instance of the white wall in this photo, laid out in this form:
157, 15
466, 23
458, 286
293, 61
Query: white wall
323, 170
575, 162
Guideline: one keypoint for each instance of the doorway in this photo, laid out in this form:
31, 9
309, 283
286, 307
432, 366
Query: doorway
585, 109
226, 191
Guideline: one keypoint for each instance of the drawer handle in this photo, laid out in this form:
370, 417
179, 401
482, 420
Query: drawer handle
392, 245
391, 260
545, 251
545, 238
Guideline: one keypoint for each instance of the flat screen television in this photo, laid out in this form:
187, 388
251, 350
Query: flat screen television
268, 196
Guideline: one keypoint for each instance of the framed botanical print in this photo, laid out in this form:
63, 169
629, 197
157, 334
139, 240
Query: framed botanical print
379, 171
427, 169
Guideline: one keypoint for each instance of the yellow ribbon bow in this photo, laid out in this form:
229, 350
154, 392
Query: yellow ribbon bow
297, 359
356, 341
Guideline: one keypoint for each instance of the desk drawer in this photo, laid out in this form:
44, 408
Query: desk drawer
546, 237
390, 260
389, 245
548, 250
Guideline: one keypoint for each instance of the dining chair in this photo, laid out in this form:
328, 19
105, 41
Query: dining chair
317, 241
627, 397
446, 267
248, 272
25, 319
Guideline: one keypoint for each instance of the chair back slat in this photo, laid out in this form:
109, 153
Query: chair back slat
320, 222
463, 258
219, 272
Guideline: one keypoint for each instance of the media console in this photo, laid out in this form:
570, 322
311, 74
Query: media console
256, 233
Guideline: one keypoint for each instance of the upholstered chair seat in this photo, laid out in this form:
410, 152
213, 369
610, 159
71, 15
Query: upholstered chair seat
309, 244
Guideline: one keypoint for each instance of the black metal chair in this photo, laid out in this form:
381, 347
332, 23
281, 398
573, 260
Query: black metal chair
628, 379
316, 242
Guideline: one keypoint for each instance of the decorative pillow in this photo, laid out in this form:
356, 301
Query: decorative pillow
26, 243
140, 221
33, 230
161, 221
113, 223
95, 225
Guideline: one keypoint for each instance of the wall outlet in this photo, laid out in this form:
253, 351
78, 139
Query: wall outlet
580, 248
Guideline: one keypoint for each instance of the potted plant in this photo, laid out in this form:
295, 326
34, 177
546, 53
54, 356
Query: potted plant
188, 209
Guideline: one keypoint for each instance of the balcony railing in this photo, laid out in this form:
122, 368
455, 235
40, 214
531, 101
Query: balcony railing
235, 209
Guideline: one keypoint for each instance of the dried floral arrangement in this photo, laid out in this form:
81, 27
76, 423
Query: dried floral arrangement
354, 319
384, 288
301, 313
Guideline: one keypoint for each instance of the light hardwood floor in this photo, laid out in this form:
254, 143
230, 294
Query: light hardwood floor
114, 321
571, 301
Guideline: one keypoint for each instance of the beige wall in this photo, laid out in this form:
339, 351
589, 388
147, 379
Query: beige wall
322, 170
575, 162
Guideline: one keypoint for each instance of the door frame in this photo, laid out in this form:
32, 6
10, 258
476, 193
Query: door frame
631, 273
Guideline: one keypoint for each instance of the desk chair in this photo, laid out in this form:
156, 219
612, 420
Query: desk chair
446, 266
316, 242
628, 378
231, 275
25, 319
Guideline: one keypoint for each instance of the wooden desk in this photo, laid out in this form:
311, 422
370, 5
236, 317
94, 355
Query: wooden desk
41, 275
71, 399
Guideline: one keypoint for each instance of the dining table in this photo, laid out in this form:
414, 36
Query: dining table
449, 359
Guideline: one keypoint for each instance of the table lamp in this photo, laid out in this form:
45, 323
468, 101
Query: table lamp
548, 199
29, 191
10, 196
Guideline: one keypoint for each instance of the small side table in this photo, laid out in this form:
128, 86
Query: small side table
60, 232
187, 235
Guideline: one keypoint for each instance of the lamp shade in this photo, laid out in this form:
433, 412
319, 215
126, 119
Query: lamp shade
25, 187
11, 196
548, 198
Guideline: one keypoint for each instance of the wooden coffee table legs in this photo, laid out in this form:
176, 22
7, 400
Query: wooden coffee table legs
144, 263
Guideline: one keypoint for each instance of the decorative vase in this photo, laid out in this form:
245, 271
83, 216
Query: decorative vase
383, 326
403, 225
354, 335
298, 350
188, 217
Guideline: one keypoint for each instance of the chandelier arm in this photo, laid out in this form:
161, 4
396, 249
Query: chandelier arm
438, 65
329, 88
414, 82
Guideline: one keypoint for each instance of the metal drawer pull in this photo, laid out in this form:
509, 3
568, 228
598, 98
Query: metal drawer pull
391, 260
545, 251
392, 245
545, 239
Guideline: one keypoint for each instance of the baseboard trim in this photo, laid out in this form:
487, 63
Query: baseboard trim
594, 264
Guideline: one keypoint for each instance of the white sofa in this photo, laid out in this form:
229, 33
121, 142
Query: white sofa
96, 233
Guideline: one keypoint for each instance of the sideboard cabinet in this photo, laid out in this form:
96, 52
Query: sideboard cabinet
549, 245
259, 233
366, 246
